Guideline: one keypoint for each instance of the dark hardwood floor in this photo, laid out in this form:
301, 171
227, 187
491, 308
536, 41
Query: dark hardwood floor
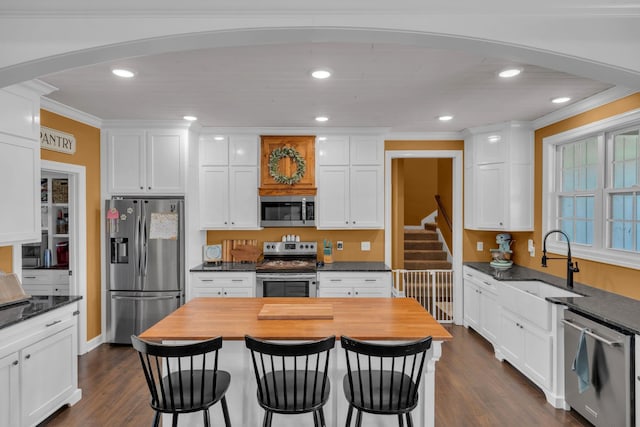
472, 389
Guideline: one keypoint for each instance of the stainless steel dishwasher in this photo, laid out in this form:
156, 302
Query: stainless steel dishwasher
608, 399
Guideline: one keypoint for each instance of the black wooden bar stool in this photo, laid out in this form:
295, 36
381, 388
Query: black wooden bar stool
383, 378
291, 378
187, 384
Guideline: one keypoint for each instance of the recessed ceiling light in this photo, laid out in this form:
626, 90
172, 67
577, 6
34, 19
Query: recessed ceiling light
218, 138
190, 118
494, 138
445, 118
561, 100
321, 74
322, 119
509, 72
122, 72
322, 138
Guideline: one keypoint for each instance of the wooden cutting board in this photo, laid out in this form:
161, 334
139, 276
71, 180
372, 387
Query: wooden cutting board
11, 290
295, 311
246, 253
228, 245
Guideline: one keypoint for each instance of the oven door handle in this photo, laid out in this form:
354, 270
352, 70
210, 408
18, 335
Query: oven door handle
591, 333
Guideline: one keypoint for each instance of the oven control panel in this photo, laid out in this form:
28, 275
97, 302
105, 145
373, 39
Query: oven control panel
290, 248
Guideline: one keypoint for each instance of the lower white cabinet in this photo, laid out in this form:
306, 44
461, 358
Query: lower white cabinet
223, 284
354, 284
38, 367
527, 347
481, 309
521, 326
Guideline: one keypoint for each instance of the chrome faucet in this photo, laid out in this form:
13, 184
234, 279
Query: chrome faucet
570, 267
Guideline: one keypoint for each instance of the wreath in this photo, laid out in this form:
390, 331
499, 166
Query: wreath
274, 161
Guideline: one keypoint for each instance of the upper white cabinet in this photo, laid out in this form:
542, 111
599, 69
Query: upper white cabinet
20, 161
146, 161
498, 177
350, 178
229, 182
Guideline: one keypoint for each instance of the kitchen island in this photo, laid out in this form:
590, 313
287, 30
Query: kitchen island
374, 319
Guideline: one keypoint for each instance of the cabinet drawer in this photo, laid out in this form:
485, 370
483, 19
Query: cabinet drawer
223, 279
354, 279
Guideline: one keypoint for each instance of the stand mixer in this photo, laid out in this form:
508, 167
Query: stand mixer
502, 255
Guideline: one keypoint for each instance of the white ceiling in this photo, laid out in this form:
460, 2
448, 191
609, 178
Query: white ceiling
403, 88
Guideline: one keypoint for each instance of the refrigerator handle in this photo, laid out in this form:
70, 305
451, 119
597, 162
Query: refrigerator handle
138, 245
146, 249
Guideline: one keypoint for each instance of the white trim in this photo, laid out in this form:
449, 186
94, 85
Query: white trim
605, 125
457, 178
293, 131
595, 101
70, 112
423, 136
95, 343
78, 244
146, 124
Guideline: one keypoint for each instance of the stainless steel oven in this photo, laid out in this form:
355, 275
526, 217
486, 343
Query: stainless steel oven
288, 270
286, 285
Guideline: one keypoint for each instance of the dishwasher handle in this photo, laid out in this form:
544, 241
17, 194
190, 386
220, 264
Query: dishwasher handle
591, 333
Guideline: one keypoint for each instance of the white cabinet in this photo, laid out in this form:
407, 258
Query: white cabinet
20, 162
354, 284
499, 177
45, 282
527, 347
223, 284
350, 178
38, 367
146, 161
481, 309
229, 182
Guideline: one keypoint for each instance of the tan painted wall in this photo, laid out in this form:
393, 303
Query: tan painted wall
6, 259
420, 187
623, 281
350, 238
87, 154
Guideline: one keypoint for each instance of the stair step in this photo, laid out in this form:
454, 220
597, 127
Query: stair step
431, 226
420, 235
427, 265
426, 245
417, 255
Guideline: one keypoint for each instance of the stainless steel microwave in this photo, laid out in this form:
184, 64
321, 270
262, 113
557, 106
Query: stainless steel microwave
287, 211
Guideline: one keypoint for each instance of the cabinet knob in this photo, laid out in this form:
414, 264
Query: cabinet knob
149, 188
348, 293
354, 222
225, 223
15, 363
142, 188
346, 222
356, 293
225, 293
233, 223
28, 356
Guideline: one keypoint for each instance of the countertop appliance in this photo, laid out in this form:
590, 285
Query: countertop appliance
145, 263
287, 270
608, 397
287, 211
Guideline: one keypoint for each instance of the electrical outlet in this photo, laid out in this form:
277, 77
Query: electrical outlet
531, 248
365, 246
479, 246
339, 245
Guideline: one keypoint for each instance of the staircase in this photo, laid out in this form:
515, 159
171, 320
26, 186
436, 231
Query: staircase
423, 250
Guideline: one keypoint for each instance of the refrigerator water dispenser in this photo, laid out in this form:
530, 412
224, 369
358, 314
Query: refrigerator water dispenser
119, 250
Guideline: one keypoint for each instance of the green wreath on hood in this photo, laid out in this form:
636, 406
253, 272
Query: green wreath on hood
274, 161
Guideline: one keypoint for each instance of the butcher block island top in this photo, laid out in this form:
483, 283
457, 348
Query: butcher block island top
375, 319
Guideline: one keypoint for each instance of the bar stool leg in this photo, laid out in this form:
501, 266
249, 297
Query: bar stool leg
349, 414
400, 420
409, 420
359, 419
225, 411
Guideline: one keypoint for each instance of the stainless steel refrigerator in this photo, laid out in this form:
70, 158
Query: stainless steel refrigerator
145, 263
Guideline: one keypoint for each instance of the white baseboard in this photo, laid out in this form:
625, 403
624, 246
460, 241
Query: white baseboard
94, 343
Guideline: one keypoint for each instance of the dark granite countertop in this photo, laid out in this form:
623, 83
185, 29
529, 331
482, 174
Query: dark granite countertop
361, 266
225, 266
34, 306
618, 311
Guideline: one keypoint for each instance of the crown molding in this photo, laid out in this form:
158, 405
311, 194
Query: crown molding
70, 112
423, 136
208, 130
595, 101
147, 124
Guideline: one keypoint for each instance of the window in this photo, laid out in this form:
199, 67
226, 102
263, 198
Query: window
592, 188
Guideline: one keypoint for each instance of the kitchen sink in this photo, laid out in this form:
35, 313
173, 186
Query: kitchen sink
542, 289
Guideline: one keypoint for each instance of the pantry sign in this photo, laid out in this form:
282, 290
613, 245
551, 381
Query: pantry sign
51, 139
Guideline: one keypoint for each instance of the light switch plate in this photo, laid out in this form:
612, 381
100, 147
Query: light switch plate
339, 245
479, 246
365, 246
